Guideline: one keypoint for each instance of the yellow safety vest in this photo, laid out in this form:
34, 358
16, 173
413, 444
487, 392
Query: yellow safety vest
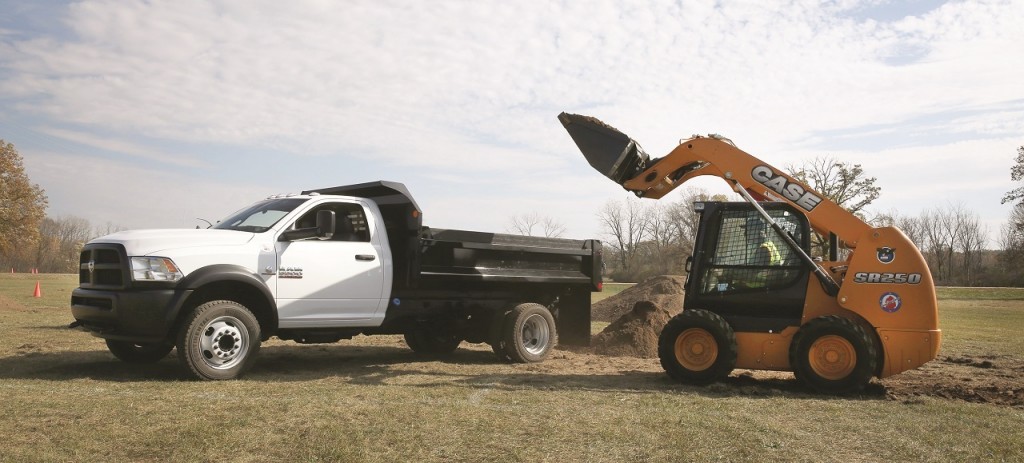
773, 252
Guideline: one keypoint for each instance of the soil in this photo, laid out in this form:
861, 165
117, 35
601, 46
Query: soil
665, 291
638, 314
634, 334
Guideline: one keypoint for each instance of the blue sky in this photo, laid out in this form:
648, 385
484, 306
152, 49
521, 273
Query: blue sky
152, 113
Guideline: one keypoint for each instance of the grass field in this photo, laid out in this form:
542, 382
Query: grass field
65, 398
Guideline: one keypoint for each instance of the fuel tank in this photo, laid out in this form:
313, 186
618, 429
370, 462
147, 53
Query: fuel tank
609, 151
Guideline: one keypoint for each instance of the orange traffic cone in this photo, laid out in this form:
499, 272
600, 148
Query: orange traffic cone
38, 292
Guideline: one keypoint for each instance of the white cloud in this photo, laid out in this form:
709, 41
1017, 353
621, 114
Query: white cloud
450, 93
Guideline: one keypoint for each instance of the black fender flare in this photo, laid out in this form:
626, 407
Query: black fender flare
220, 273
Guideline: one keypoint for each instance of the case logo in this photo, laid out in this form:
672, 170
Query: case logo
781, 185
886, 255
890, 302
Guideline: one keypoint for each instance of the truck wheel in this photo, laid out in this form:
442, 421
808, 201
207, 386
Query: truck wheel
219, 340
529, 333
697, 347
833, 355
138, 353
425, 341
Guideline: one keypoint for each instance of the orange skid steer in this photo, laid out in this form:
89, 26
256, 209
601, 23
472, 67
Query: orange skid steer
755, 298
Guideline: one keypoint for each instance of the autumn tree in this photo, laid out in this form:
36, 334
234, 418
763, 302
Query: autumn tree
22, 205
843, 183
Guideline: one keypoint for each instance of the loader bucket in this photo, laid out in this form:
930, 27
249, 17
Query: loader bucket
609, 151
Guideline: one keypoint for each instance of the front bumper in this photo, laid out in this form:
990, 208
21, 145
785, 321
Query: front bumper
143, 316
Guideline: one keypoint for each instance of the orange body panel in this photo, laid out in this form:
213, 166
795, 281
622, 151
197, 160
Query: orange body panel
764, 351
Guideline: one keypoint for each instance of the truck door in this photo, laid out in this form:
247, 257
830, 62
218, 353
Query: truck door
331, 282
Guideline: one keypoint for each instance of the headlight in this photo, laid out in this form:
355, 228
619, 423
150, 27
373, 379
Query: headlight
154, 269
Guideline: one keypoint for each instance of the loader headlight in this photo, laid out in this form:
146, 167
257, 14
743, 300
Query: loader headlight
154, 269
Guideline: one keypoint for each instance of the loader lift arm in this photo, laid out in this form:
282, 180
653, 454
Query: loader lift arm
621, 159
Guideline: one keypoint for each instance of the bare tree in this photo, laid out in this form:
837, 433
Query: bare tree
969, 243
627, 224
1011, 241
534, 224
910, 226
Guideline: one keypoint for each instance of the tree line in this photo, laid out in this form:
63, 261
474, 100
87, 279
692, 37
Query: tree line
642, 238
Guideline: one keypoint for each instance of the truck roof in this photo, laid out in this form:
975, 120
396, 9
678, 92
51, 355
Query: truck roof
381, 192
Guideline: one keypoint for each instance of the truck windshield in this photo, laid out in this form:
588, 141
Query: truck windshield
259, 217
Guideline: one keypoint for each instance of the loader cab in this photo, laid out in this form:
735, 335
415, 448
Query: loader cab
743, 270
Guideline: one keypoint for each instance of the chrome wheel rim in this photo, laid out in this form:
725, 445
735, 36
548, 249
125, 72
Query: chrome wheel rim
223, 342
535, 334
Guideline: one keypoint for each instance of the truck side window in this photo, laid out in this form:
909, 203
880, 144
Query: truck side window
350, 221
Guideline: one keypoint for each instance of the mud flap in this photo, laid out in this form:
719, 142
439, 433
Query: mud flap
573, 318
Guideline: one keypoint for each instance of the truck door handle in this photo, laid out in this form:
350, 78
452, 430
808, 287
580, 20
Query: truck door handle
366, 257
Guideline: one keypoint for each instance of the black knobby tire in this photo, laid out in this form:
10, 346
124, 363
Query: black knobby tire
219, 340
697, 347
138, 353
833, 355
429, 342
529, 333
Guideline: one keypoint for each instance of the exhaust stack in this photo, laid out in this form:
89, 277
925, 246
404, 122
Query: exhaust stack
609, 151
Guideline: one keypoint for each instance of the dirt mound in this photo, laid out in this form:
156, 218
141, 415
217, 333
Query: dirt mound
997, 380
665, 291
635, 334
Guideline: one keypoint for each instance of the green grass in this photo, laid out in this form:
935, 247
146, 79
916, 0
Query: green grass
609, 290
987, 294
65, 398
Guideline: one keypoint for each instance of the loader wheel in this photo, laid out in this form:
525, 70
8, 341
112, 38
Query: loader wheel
426, 341
219, 340
833, 355
138, 353
697, 347
529, 333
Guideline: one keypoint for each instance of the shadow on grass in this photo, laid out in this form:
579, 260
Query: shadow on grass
398, 366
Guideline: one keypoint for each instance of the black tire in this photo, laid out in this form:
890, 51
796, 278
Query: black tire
833, 355
697, 347
529, 333
430, 342
138, 353
219, 340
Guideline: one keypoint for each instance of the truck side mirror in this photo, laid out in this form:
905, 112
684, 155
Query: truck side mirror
325, 224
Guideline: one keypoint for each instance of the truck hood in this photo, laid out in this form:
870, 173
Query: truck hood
150, 242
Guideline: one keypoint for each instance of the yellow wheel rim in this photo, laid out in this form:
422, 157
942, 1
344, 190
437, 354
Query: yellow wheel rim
832, 357
696, 349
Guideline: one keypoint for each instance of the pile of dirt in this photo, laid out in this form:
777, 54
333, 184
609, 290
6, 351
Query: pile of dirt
635, 334
665, 291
